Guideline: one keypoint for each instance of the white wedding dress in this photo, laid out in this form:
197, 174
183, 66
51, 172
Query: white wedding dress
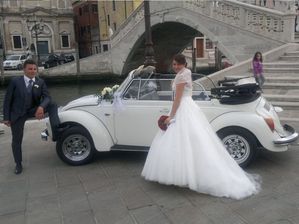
190, 154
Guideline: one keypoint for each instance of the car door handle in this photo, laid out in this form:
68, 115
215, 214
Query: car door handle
106, 114
164, 110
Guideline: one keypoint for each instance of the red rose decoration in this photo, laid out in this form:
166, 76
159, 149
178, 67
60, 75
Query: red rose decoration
161, 123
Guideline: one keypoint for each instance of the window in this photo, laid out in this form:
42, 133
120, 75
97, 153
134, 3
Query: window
80, 11
105, 47
113, 5
14, 3
94, 8
88, 29
108, 20
65, 41
86, 9
209, 44
17, 42
132, 91
61, 4
114, 26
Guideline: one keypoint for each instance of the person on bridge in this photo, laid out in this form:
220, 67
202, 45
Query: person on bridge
27, 96
257, 66
189, 153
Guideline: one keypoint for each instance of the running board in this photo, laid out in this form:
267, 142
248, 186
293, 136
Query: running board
132, 148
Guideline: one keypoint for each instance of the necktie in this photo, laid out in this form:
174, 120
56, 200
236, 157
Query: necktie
29, 87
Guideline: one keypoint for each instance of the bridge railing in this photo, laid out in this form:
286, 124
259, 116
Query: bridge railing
281, 5
269, 23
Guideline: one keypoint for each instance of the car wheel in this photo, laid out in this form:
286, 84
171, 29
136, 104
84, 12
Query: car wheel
75, 146
240, 144
62, 62
20, 67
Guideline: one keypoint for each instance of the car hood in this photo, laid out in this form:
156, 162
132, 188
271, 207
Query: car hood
90, 100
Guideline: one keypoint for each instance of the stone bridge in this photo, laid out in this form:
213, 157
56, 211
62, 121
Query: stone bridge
238, 29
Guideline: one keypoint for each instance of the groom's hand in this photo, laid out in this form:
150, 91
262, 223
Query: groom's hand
39, 114
7, 123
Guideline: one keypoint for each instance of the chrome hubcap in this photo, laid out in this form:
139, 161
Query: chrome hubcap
238, 147
76, 147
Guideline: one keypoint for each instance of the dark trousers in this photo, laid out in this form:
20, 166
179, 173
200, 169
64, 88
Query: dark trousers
17, 129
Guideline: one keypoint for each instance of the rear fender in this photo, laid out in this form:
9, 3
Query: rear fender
251, 122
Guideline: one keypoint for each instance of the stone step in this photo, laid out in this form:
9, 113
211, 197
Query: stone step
280, 64
282, 74
292, 53
294, 122
281, 70
286, 105
282, 79
280, 85
282, 98
289, 117
290, 57
270, 78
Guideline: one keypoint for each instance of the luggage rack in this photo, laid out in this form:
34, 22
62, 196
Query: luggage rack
237, 91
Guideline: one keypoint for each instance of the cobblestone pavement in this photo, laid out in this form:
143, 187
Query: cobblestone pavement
110, 190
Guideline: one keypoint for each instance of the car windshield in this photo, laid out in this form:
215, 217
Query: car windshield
13, 57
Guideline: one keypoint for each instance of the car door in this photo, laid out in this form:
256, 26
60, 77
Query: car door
144, 101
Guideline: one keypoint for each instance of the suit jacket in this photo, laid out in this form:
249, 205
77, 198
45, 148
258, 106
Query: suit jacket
15, 98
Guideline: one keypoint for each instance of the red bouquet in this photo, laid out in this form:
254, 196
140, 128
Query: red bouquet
161, 122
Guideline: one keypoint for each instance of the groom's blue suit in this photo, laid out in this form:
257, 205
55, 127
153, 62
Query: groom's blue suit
21, 104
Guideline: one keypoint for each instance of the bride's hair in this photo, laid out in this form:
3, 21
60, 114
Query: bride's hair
180, 59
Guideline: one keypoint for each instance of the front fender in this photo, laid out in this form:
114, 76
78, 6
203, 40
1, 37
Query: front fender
254, 124
100, 135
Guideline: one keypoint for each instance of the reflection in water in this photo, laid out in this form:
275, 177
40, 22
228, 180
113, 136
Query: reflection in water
63, 93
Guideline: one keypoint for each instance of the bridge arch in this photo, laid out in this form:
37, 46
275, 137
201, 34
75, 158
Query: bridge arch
169, 38
170, 33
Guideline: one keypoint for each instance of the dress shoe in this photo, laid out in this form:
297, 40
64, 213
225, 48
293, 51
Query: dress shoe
18, 169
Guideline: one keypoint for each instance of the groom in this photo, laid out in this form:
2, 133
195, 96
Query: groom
26, 97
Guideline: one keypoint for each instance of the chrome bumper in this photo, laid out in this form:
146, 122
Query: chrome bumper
288, 139
44, 135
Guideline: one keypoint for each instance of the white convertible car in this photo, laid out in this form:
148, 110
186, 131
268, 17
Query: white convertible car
243, 119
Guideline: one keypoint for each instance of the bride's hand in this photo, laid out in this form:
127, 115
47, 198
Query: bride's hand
167, 120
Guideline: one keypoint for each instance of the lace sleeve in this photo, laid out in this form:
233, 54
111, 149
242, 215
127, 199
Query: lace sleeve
184, 77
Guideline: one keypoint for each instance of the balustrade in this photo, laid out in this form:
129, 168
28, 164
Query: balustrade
262, 21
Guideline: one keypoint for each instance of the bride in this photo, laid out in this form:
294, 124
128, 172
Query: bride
189, 153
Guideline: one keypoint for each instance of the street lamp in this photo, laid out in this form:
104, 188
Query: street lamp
38, 28
149, 50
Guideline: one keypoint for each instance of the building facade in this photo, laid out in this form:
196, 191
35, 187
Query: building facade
111, 15
87, 27
45, 26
